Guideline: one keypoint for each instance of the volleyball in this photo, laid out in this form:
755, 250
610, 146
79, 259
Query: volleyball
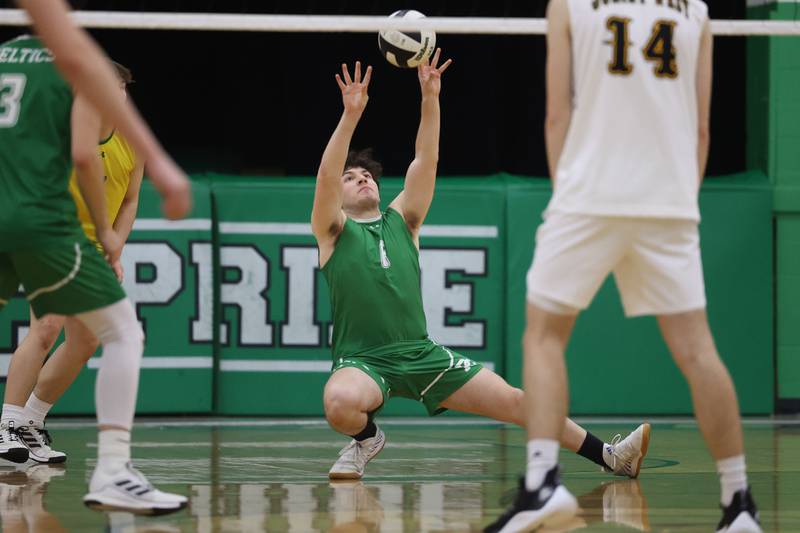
406, 49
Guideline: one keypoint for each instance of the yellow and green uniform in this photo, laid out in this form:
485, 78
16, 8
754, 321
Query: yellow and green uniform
119, 160
379, 322
42, 245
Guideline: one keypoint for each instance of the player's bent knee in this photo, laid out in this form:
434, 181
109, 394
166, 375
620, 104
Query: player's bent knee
342, 405
44, 334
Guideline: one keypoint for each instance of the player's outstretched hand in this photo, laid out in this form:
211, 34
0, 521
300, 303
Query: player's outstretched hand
173, 186
354, 90
430, 74
112, 244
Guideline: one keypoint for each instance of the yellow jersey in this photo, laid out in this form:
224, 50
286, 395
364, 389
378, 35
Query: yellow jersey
119, 160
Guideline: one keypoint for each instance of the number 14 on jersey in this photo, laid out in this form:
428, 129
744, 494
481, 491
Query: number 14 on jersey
659, 48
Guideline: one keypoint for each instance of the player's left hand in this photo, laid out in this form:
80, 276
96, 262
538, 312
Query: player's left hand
112, 244
430, 74
116, 266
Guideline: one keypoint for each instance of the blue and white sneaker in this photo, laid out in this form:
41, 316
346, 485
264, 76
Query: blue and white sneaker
128, 490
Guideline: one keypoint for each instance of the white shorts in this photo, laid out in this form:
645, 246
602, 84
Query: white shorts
656, 263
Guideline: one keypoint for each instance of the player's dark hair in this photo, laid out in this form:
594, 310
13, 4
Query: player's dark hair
123, 72
364, 159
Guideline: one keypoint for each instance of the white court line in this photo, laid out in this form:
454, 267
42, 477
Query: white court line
162, 224
164, 363
289, 365
151, 422
305, 444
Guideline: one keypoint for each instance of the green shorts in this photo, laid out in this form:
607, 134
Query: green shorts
419, 370
63, 279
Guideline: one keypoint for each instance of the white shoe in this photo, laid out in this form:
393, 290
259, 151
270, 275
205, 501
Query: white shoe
355, 456
11, 449
128, 490
627, 455
550, 507
741, 516
38, 441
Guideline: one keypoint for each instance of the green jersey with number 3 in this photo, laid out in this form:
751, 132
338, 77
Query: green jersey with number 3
36, 208
374, 281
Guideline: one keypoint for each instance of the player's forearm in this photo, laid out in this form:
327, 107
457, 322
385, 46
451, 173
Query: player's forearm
123, 224
555, 133
703, 143
426, 147
90, 182
335, 155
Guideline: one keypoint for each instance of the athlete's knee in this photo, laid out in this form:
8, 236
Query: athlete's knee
44, 333
342, 404
114, 323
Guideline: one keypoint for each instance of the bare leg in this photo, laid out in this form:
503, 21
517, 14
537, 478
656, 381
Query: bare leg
26, 363
65, 364
487, 394
546, 395
713, 396
350, 395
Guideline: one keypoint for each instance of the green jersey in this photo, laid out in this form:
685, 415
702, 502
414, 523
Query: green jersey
36, 208
374, 281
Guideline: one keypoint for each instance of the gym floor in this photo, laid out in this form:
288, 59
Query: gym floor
448, 474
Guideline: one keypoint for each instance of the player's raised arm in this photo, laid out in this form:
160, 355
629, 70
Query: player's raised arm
704, 82
85, 129
415, 199
327, 218
559, 78
86, 67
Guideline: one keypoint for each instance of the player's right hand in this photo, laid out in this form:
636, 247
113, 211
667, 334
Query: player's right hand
354, 90
112, 244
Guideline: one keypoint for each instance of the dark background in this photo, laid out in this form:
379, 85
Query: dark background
265, 103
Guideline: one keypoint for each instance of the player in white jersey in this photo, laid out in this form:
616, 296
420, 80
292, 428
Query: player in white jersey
628, 98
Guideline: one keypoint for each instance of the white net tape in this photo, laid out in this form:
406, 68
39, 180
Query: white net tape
327, 23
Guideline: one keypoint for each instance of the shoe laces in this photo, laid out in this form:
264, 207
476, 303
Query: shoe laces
614, 441
41, 435
138, 476
8, 432
353, 452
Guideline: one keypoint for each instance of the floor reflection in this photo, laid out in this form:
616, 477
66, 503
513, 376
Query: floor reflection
22, 491
358, 507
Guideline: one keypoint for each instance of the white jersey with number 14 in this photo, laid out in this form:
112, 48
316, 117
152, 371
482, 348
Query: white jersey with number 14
631, 149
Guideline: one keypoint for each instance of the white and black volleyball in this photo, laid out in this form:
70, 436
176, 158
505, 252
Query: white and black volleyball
406, 49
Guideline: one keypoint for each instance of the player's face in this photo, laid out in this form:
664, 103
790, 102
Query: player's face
359, 189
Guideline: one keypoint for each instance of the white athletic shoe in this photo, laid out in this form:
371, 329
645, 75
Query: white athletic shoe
551, 507
128, 490
11, 449
627, 455
741, 516
38, 441
355, 456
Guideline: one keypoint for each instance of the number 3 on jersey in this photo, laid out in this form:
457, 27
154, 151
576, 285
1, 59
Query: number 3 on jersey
11, 88
658, 49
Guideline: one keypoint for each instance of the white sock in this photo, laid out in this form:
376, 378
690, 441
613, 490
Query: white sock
36, 410
113, 449
732, 477
542, 456
13, 413
117, 382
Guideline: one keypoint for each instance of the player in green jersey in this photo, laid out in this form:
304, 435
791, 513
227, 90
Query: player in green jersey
370, 261
43, 247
